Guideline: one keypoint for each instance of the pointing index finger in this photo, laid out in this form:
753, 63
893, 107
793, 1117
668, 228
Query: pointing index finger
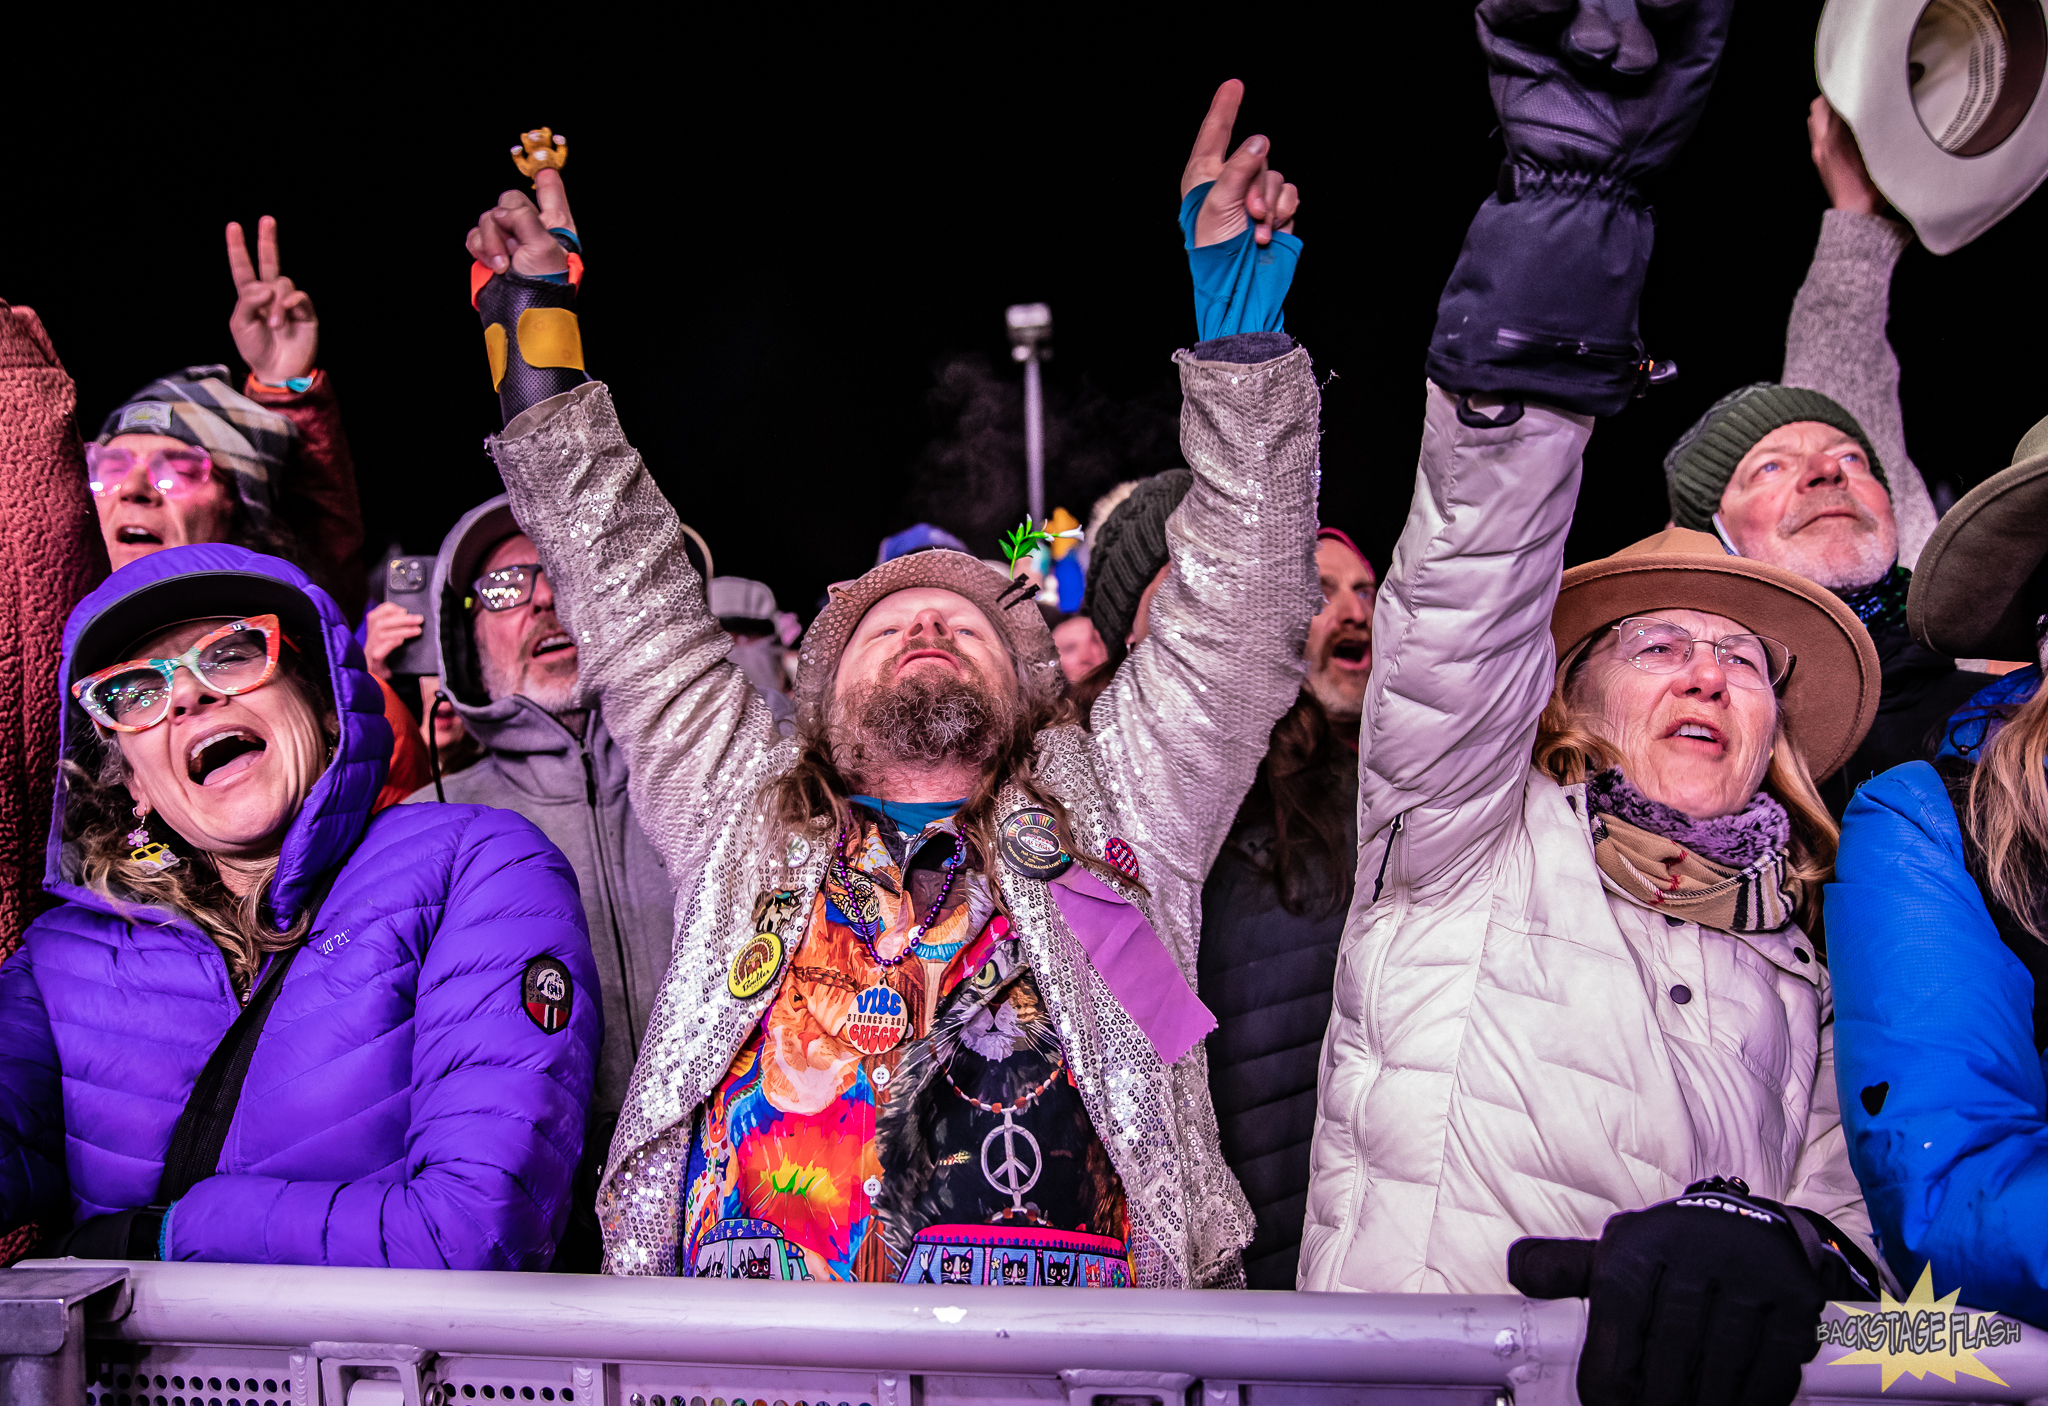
1212, 141
554, 200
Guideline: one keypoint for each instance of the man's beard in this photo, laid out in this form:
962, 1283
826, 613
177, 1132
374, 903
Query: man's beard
550, 689
923, 720
1342, 693
1840, 560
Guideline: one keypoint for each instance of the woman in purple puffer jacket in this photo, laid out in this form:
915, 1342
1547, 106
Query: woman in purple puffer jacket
423, 978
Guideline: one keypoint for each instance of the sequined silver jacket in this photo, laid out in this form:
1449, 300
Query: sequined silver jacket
1178, 737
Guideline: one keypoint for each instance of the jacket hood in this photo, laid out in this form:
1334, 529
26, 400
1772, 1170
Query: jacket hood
462, 552
182, 583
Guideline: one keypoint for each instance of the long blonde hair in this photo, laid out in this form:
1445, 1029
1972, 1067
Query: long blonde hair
2007, 813
1571, 752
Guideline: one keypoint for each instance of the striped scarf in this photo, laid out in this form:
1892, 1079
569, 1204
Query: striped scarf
1672, 879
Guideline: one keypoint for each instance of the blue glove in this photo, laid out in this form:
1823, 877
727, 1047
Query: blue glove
1239, 286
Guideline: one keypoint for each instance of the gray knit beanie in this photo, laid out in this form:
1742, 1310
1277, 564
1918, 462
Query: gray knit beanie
1697, 470
1127, 553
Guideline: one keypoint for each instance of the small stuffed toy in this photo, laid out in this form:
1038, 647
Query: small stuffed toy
537, 149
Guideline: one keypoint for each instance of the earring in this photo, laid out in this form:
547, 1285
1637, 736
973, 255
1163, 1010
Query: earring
149, 854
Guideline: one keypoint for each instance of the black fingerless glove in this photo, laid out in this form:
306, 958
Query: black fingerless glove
118, 1235
530, 334
1711, 1297
1542, 303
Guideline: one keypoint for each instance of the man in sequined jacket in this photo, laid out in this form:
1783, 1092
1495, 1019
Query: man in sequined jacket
930, 1016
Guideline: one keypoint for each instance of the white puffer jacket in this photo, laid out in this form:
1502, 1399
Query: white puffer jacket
1516, 1047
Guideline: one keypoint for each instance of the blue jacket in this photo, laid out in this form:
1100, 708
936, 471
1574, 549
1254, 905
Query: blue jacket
1944, 1097
402, 1107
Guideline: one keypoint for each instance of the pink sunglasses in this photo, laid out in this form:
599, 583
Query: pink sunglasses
175, 473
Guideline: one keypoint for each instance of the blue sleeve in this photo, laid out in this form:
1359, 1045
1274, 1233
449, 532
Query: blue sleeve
33, 1183
1943, 1095
498, 1104
1239, 287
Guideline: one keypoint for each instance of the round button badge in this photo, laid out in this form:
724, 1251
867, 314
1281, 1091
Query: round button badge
1029, 842
878, 1020
754, 965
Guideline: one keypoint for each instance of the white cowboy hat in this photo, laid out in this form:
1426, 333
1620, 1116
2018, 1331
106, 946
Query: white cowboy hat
1945, 98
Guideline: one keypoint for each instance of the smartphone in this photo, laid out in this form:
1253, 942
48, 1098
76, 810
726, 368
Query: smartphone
409, 584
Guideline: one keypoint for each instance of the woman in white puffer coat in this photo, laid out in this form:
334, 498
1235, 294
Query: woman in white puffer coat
1575, 981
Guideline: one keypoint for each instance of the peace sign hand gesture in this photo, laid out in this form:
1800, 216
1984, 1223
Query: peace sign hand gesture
1245, 191
274, 325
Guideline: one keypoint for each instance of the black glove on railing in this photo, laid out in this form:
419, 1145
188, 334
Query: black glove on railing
1542, 303
118, 1235
1708, 1298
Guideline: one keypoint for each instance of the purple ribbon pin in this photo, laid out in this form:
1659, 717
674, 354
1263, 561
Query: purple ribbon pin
1134, 963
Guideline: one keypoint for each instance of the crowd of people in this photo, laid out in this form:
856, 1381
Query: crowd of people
1258, 923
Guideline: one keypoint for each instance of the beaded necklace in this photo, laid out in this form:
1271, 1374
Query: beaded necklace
868, 929
1015, 1105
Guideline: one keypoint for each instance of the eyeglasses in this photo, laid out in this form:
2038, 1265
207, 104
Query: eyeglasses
1660, 647
175, 473
507, 588
135, 695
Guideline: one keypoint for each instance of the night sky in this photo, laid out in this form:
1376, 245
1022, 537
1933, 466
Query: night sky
801, 243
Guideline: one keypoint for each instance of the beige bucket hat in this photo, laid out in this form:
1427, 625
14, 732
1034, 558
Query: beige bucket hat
1979, 587
1830, 695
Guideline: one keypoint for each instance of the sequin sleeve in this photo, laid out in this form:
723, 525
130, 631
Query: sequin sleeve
1179, 734
695, 733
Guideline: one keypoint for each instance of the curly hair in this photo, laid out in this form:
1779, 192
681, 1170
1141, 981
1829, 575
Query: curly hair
99, 814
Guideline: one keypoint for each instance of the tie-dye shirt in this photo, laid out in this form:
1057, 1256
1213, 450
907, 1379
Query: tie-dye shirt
812, 1160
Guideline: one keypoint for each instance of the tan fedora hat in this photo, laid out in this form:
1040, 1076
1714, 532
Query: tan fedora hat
1009, 606
1829, 697
1975, 592
1946, 100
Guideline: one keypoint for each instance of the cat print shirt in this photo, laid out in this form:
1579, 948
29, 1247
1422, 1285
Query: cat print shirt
962, 1155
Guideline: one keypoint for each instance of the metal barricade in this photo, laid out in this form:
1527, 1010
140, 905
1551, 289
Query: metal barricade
99, 1334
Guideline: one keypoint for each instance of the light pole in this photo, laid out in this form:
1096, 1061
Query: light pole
1030, 327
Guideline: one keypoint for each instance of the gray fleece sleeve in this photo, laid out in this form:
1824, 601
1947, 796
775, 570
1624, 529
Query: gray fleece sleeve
1835, 343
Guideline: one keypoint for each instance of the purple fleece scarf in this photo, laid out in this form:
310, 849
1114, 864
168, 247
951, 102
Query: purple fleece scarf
1738, 840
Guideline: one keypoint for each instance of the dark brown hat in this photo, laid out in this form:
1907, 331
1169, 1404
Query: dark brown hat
1012, 608
1830, 695
1979, 586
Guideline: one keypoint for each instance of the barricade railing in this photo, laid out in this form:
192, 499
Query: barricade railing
93, 1333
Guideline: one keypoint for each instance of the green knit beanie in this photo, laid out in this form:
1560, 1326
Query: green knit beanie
1697, 470
1127, 553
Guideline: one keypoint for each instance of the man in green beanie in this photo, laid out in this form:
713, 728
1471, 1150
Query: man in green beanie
1790, 474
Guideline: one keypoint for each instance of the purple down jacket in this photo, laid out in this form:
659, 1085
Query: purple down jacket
401, 1109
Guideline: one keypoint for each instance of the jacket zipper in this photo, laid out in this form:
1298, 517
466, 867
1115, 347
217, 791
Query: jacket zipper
604, 885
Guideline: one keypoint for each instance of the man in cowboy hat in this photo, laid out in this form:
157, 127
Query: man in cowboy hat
1812, 474
930, 1016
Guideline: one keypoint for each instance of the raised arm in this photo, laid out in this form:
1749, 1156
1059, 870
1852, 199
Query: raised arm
1535, 334
277, 333
1179, 733
695, 733
1835, 342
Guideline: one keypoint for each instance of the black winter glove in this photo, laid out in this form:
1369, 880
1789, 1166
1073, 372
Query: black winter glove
1592, 100
1711, 1297
118, 1235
